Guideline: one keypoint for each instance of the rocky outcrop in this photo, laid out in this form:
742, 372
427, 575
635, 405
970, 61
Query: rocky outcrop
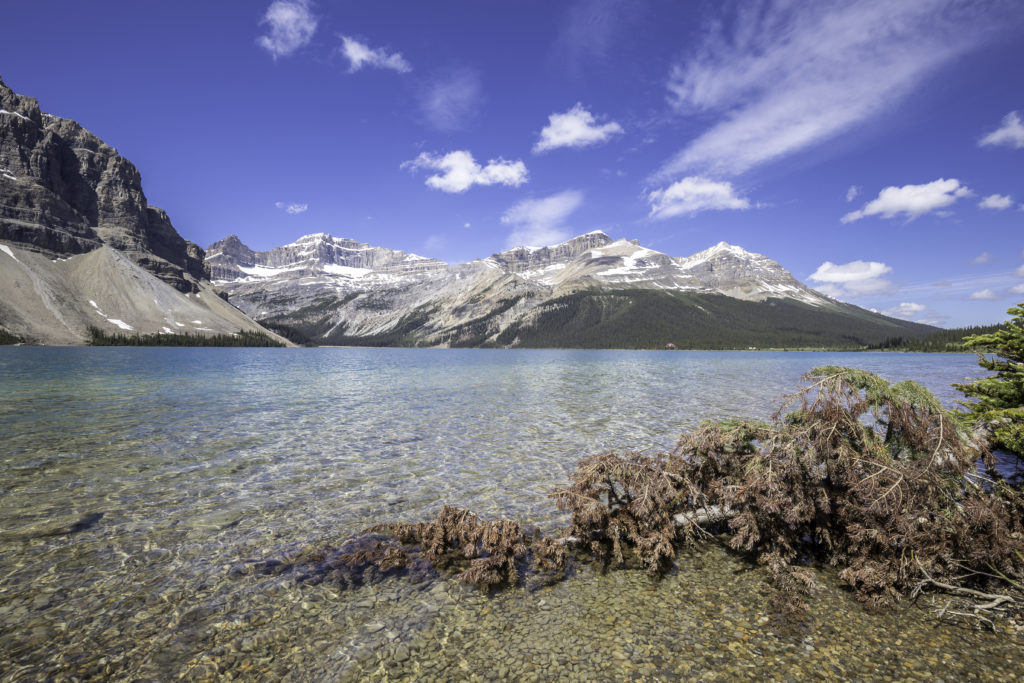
224, 258
63, 191
526, 258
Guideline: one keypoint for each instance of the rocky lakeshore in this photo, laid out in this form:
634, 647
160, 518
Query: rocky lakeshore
711, 620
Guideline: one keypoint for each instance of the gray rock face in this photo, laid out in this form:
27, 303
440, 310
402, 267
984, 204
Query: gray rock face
526, 258
223, 258
732, 271
63, 191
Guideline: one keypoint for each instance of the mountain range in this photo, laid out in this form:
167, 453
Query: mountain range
589, 292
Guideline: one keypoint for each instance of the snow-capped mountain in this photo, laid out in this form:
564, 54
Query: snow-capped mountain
624, 264
229, 259
333, 290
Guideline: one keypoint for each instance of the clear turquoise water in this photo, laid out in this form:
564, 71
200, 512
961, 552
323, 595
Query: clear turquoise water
182, 462
334, 437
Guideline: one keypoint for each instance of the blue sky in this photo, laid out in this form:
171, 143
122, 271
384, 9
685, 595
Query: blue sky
874, 148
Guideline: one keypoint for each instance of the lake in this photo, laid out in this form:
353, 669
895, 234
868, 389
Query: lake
139, 483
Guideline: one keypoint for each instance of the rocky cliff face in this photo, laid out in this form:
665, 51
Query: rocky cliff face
523, 259
63, 191
80, 246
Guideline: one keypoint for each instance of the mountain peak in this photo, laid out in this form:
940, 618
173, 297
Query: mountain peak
725, 247
315, 237
312, 255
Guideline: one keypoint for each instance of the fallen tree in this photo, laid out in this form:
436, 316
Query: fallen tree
875, 479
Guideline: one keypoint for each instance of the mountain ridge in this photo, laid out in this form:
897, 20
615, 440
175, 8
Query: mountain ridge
503, 299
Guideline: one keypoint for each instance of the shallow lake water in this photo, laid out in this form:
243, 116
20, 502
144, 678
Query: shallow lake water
136, 485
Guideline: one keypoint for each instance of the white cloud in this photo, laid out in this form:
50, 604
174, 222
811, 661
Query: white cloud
985, 294
540, 222
575, 128
1010, 134
983, 257
852, 193
853, 279
459, 171
997, 202
292, 26
468, 225
360, 55
1017, 289
912, 200
1019, 272
450, 100
906, 310
292, 208
693, 195
784, 75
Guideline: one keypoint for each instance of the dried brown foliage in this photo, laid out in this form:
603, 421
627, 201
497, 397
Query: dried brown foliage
622, 507
493, 549
876, 479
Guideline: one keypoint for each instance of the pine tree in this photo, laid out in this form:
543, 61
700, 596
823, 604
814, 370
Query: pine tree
1000, 398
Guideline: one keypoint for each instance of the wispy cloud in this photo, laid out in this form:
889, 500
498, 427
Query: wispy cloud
911, 200
575, 128
852, 193
985, 295
1010, 134
906, 310
540, 222
360, 55
910, 310
961, 286
292, 208
785, 75
450, 99
590, 28
982, 258
291, 24
459, 171
853, 279
434, 243
996, 202
692, 195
